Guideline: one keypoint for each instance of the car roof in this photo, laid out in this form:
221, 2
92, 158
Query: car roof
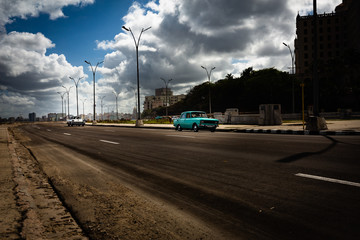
194, 111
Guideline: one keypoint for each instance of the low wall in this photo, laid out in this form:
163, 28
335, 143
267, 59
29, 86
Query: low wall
246, 119
253, 119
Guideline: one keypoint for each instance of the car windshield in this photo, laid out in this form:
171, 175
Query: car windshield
198, 114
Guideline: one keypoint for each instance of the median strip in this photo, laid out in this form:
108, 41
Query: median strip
333, 180
105, 141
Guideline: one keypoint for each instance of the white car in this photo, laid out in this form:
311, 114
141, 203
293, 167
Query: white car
76, 121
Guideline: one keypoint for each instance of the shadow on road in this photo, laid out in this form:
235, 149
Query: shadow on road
299, 156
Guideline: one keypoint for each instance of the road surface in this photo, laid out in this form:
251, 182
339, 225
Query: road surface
209, 185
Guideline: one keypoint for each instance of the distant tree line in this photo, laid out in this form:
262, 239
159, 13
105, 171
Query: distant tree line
264, 87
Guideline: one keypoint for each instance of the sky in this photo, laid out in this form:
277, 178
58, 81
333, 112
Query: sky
44, 42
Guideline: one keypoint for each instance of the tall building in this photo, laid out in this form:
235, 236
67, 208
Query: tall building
32, 117
337, 32
159, 100
337, 35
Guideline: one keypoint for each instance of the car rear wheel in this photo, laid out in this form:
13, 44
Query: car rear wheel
195, 128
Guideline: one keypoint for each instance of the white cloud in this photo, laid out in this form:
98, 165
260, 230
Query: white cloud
32, 8
30, 76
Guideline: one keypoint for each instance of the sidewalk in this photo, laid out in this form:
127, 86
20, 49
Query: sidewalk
335, 127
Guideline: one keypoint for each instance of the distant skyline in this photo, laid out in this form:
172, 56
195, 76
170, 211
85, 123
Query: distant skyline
43, 43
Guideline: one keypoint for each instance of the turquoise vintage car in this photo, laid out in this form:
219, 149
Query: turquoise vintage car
195, 120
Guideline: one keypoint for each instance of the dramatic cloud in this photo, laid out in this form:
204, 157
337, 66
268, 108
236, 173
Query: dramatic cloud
230, 35
185, 34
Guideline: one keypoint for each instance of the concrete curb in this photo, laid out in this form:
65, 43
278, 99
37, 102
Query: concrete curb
297, 132
267, 131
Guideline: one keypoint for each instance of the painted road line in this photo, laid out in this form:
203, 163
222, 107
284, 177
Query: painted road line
333, 180
48, 130
68, 134
181, 136
105, 141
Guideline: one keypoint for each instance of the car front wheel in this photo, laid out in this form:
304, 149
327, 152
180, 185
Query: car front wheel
178, 127
195, 128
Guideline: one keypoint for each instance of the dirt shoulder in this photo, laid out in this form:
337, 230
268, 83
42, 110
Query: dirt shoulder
10, 221
30, 208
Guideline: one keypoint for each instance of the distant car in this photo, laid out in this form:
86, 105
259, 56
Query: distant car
195, 120
75, 121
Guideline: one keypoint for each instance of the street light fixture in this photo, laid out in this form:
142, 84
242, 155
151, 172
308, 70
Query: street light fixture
292, 72
77, 99
138, 121
166, 93
209, 75
67, 91
94, 71
62, 103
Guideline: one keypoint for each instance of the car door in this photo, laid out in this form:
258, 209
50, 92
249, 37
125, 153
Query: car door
181, 120
188, 120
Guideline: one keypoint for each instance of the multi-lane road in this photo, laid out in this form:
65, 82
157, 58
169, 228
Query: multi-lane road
245, 186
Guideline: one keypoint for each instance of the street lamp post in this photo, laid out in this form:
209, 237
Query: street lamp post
138, 121
102, 115
77, 99
209, 75
116, 98
67, 91
83, 100
135, 100
166, 93
94, 71
62, 103
292, 73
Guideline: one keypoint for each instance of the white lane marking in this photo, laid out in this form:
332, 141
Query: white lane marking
48, 130
105, 141
68, 134
333, 180
181, 136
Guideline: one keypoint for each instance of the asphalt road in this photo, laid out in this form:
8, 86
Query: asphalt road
247, 186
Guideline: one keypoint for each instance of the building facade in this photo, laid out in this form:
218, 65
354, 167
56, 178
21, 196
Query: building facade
161, 99
337, 33
337, 62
